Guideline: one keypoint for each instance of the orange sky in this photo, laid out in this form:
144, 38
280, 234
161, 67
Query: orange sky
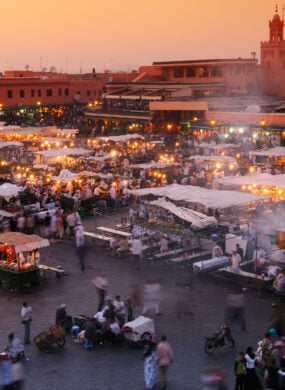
121, 35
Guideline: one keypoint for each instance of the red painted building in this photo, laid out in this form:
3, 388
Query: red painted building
28, 88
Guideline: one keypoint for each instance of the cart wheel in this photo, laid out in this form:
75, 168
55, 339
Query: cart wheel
145, 338
44, 346
61, 342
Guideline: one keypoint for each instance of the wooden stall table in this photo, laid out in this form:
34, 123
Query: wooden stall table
18, 280
113, 231
247, 279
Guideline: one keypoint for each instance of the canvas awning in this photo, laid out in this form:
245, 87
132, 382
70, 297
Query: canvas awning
23, 242
8, 190
193, 194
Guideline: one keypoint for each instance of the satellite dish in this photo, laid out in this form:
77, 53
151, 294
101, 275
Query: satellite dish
253, 108
52, 69
44, 69
77, 97
27, 67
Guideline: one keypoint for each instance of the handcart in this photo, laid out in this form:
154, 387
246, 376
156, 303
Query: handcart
53, 335
139, 331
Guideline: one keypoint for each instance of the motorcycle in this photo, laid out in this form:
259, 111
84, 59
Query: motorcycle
219, 339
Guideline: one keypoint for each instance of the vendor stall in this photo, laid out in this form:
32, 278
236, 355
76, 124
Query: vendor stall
15, 268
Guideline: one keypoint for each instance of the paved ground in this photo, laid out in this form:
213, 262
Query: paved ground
121, 367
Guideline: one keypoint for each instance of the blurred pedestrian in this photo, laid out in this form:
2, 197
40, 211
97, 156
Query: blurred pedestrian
17, 375
137, 251
235, 307
152, 297
252, 381
135, 296
240, 371
80, 245
26, 315
5, 372
101, 284
165, 358
150, 366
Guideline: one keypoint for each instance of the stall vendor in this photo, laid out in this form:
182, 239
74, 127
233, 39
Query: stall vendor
21, 259
259, 256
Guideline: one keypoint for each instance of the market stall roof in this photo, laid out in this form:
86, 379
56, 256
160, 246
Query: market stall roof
262, 179
23, 242
277, 152
215, 158
42, 166
8, 190
65, 175
64, 152
86, 174
7, 144
100, 158
192, 194
155, 165
121, 138
217, 146
198, 220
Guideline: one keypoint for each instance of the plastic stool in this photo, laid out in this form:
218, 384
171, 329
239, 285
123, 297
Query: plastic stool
88, 344
74, 332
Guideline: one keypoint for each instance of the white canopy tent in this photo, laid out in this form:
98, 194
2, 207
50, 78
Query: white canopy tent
198, 220
65, 175
23, 242
262, 179
274, 152
209, 198
63, 152
154, 165
8, 190
121, 138
7, 144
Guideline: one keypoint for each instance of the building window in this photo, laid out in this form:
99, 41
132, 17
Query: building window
32, 93
178, 72
217, 72
66, 91
190, 72
59, 92
49, 92
22, 93
10, 94
88, 93
39, 93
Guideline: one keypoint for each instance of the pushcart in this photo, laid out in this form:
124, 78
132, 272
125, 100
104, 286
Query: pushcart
53, 335
139, 331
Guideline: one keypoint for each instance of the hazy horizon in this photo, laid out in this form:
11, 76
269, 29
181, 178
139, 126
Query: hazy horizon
122, 35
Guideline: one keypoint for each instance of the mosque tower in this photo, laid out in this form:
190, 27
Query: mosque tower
272, 59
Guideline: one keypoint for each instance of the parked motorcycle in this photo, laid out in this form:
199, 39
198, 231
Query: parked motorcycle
219, 339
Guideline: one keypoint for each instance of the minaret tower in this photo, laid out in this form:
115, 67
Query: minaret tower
273, 59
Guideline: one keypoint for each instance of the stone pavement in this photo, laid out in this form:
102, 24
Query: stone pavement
121, 367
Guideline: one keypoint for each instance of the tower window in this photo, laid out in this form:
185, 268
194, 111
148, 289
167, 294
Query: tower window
49, 92
10, 94
22, 93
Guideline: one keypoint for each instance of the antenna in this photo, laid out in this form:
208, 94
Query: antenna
283, 9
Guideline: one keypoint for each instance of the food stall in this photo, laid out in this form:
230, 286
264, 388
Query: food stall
15, 269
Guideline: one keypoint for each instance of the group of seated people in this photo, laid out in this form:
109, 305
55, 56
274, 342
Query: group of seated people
105, 326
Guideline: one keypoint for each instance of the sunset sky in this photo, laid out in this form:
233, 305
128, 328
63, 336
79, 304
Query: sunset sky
121, 35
